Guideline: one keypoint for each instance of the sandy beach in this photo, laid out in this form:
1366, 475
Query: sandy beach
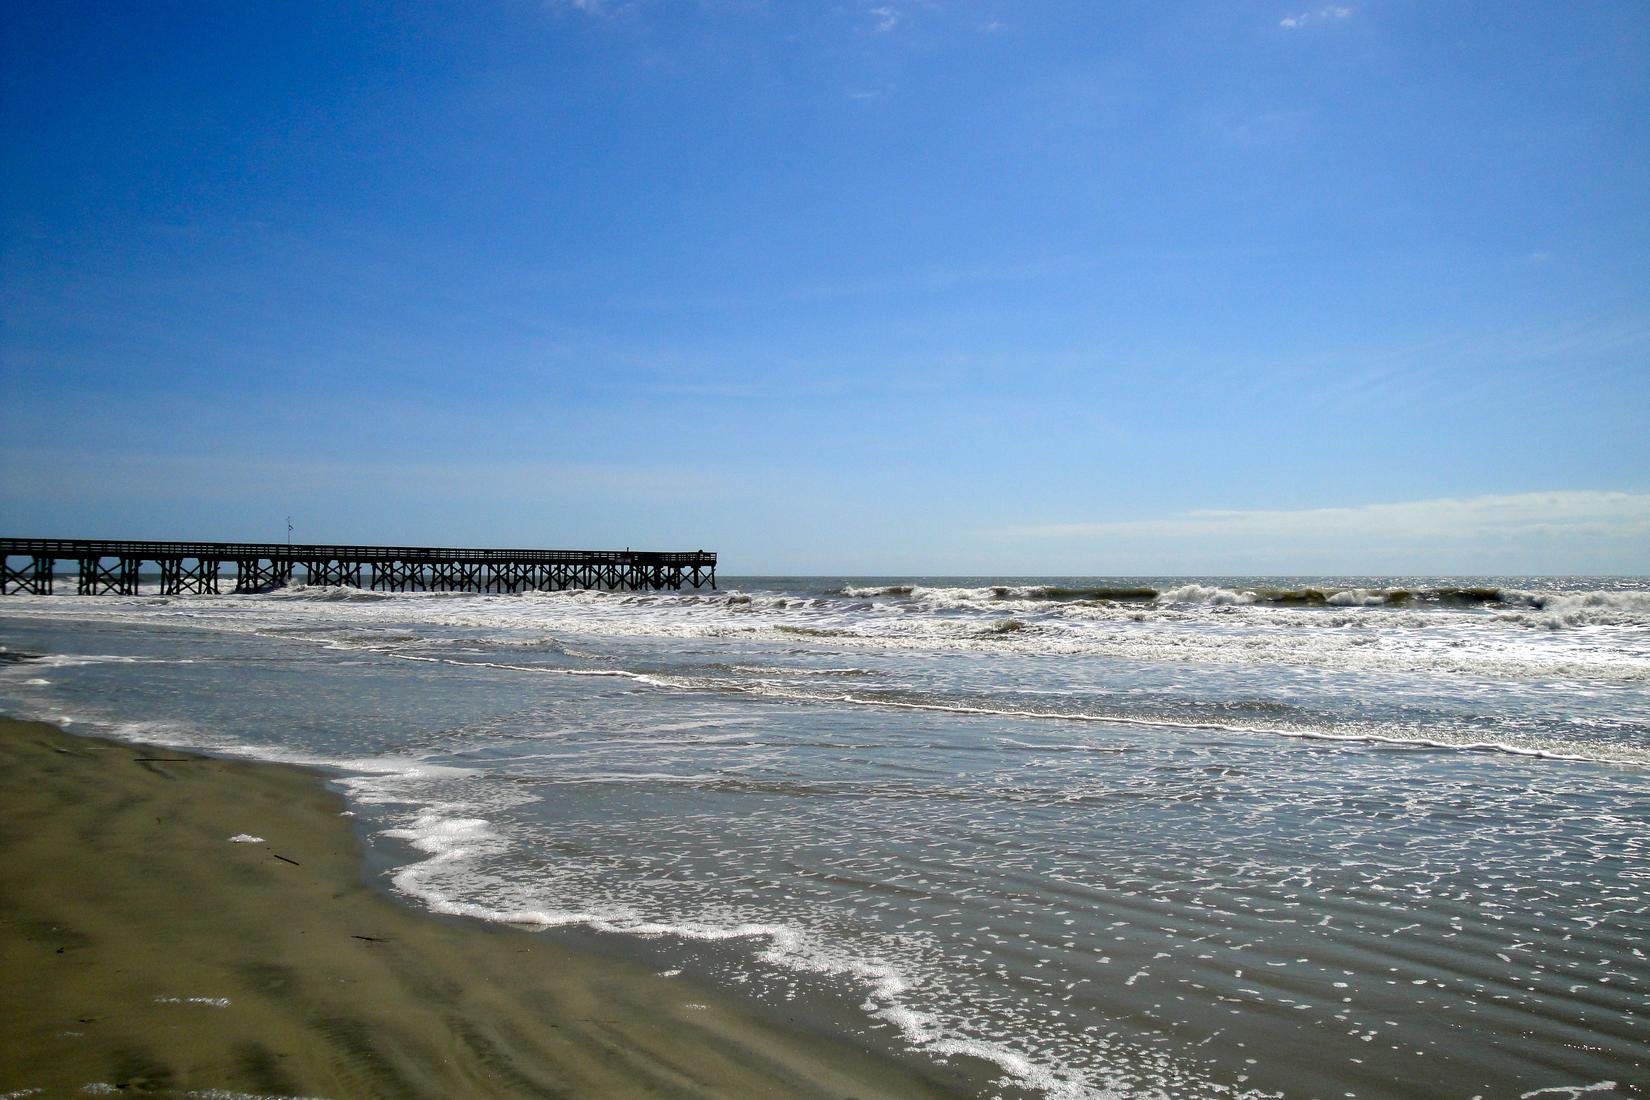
145, 949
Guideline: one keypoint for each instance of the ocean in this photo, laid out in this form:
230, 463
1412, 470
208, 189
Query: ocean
1138, 837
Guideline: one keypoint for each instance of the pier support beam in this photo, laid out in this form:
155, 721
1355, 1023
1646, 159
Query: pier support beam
454, 576
505, 576
397, 576
34, 578
333, 572
261, 575
96, 579
189, 576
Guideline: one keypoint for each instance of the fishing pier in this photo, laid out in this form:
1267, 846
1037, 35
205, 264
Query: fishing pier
183, 568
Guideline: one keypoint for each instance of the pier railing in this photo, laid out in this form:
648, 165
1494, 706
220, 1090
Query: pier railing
104, 566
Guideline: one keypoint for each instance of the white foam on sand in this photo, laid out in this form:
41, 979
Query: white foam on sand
1569, 1092
450, 840
209, 1002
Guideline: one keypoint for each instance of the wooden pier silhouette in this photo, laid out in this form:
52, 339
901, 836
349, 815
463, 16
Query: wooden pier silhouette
197, 567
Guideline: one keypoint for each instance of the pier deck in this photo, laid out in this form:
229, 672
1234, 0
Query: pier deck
105, 566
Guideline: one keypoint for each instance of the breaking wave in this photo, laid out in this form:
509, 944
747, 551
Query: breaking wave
1562, 608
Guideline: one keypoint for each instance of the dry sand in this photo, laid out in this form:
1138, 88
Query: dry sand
143, 951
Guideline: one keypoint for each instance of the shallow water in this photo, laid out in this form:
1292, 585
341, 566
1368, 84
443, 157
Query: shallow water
1303, 836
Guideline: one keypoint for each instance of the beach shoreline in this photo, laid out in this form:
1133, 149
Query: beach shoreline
177, 923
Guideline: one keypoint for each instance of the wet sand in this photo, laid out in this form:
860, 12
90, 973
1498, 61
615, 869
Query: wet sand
141, 950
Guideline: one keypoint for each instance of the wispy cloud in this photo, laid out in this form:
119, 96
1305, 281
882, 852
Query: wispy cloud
933, 279
588, 7
886, 18
1543, 357
1329, 13
603, 11
1262, 129
1516, 514
941, 19
1565, 530
941, 277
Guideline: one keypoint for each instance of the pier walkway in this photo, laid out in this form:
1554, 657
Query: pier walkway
196, 567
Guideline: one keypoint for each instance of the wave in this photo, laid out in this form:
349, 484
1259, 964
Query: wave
1189, 594
77, 660
1324, 729
1048, 593
1061, 595
326, 593
816, 631
845, 603
1564, 608
786, 670
1569, 606
1204, 594
1327, 597
1555, 610
1614, 755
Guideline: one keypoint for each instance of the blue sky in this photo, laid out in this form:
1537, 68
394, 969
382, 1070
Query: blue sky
892, 286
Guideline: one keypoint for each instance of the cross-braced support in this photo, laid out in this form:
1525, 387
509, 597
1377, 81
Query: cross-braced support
505, 576
333, 572
261, 574
34, 578
189, 576
97, 578
397, 576
454, 576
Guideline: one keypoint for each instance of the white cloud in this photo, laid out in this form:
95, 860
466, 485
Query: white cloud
1563, 531
596, 9
1330, 13
1519, 513
887, 18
